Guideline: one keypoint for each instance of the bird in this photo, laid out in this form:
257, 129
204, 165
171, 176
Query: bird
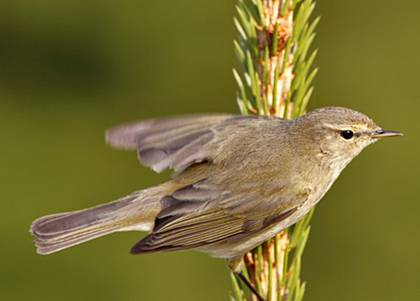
238, 180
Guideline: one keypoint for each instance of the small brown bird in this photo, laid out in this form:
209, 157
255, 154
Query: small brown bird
238, 181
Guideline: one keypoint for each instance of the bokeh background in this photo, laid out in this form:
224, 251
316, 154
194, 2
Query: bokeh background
70, 69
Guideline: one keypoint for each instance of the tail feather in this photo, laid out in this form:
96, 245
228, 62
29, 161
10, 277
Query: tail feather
60, 231
55, 244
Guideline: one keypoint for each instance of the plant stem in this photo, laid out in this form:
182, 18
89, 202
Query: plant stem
274, 78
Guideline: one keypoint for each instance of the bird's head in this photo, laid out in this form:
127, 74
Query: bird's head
341, 133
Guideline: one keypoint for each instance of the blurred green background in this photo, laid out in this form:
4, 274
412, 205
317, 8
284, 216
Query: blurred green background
71, 69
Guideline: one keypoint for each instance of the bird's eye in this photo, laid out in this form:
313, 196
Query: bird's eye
347, 134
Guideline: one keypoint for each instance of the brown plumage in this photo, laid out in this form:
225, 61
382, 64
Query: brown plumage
238, 180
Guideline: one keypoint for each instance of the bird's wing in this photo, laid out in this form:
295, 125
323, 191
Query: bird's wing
200, 215
169, 142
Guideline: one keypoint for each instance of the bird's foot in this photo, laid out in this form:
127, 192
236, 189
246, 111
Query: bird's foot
244, 280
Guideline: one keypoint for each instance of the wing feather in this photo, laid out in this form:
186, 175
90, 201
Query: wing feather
196, 215
128, 136
169, 142
193, 232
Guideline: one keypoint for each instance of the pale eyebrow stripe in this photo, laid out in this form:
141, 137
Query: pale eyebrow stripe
359, 128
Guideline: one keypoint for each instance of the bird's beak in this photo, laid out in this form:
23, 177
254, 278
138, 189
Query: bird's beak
385, 133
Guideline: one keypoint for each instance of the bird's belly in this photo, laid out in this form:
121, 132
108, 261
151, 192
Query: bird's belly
238, 245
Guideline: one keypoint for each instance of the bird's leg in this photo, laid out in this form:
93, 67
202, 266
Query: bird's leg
235, 265
244, 280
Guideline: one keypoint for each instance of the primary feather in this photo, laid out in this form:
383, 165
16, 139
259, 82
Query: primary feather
172, 143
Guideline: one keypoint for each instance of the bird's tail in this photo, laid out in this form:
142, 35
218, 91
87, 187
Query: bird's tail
60, 231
